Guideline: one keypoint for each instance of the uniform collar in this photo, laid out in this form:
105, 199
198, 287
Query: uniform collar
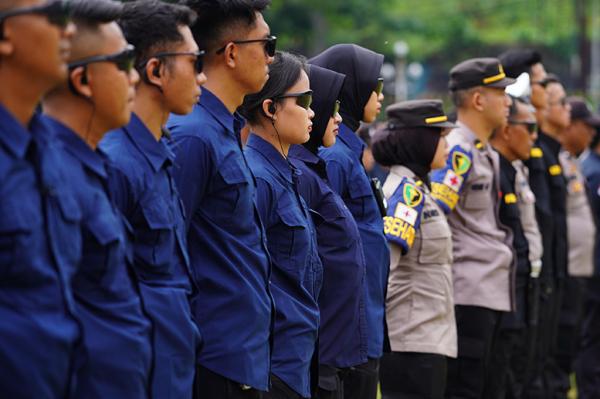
155, 152
77, 147
551, 142
233, 123
13, 135
283, 167
311, 160
403, 171
507, 166
350, 138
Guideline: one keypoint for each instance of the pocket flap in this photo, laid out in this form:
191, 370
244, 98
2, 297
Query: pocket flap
157, 215
232, 173
105, 230
290, 218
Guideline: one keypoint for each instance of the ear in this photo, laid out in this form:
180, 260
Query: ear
230, 55
269, 109
477, 101
153, 72
80, 80
6, 46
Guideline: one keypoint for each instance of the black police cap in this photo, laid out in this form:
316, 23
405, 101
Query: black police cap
519, 60
581, 111
417, 113
486, 72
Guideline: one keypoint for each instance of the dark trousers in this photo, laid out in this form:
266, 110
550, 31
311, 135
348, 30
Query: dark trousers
210, 385
331, 384
587, 365
408, 375
280, 390
477, 328
360, 382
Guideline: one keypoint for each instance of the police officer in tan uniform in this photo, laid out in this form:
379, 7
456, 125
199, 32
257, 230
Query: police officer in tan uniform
419, 303
467, 188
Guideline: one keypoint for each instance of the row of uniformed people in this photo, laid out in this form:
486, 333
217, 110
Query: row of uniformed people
282, 252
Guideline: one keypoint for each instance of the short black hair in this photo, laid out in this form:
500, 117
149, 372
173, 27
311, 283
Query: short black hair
459, 97
152, 25
91, 13
284, 72
218, 18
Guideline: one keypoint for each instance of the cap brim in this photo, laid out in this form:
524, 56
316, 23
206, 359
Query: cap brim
593, 120
443, 125
501, 84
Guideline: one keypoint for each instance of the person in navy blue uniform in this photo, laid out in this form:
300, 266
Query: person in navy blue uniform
169, 61
343, 328
280, 116
360, 101
39, 334
227, 247
116, 340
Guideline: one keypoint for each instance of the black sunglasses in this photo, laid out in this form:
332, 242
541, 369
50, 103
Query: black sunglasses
270, 44
57, 12
303, 100
379, 88
198, 63
336, 108
124, 60
530, 126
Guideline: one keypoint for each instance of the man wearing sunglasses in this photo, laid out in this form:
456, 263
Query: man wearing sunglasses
170, 65
228, 254
513, 141
38, 332
97, 98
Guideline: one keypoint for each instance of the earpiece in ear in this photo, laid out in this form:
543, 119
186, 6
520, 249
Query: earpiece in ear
84, 79
156, 71
272, 108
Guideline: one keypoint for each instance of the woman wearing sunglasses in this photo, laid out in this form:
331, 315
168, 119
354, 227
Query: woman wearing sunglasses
419, 303
342, 333
361, 98
279, 117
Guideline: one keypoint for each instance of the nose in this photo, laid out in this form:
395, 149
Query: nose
69, 31
380, 97
338, 118
201, 79
311, 113
270, 59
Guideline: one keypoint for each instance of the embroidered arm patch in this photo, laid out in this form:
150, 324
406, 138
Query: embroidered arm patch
403, 218
447, 183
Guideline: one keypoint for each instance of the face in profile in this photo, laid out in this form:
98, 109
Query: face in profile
578, 136
39, 42
522, 132
181, 80
293, 116
539, 99
558, 112
332, 130
494, 106
373, 106
441, 152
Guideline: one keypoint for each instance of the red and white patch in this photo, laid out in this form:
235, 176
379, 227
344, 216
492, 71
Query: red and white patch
453, 180
406, 213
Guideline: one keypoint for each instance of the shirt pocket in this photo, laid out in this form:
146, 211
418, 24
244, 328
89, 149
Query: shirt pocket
341, 227
107, 232
436, 242
230, 194
292, 239
68, 235
16, 239
158, 239
478, 196
360, 194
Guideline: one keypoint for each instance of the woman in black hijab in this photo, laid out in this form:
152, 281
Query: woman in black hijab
342, 335
419, 303
360, 100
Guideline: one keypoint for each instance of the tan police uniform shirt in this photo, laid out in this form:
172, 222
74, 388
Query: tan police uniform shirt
419, 304
529, 222
483, 267
581, 230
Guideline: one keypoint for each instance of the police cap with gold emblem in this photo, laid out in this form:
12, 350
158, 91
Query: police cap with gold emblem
417, 113
486, 72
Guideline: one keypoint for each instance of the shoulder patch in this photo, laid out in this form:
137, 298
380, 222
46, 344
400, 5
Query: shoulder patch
555, 170
404, 214
461, 162
412, 195
536, 152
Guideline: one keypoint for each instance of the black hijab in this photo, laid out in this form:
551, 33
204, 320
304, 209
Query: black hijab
362, 68
326, 86
413, 147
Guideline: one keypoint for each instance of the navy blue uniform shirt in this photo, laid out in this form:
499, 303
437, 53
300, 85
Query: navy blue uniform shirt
226, 240
144, 190
116, 332
38, 333
297, 271
343, 328
348, 178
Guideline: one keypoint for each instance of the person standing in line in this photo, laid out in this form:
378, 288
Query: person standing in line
98, 97
279, 117
361, 99
420, 303
170, 65
467, 190
513, 142
343, 325
39, 332
226, 240
587, 365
